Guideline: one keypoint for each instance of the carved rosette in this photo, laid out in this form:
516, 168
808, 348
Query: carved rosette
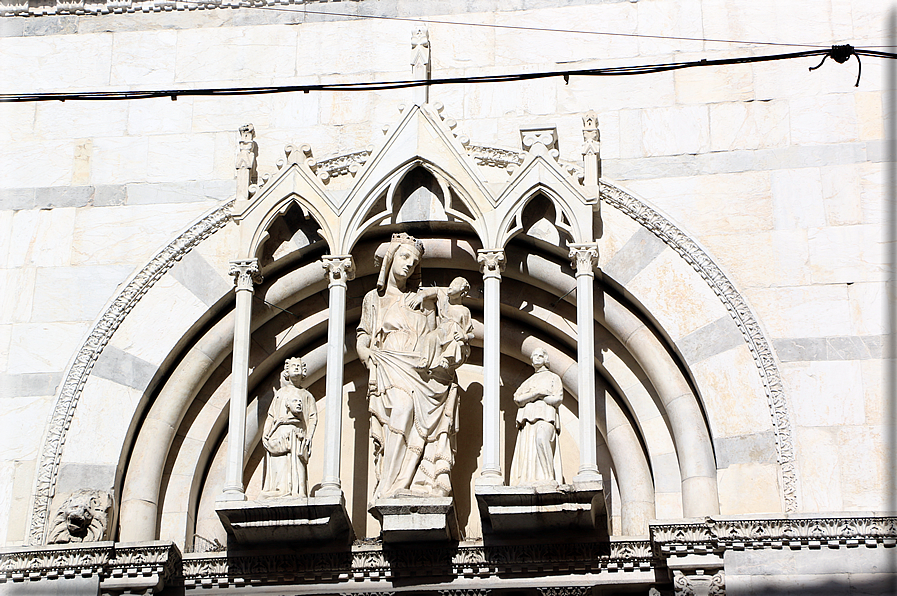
584, 257
339, 268
492, 262
245, 273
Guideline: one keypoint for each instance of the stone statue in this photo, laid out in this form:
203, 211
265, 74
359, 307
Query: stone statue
82, 517
537, 459
412, 340
289, 428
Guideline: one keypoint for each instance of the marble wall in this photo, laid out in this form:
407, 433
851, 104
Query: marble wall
776, 171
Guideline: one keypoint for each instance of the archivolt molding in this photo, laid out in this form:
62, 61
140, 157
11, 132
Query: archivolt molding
87, 355
747, 323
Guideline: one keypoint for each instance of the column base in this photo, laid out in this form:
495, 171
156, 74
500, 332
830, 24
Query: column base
231, 495
588, 480
489, 479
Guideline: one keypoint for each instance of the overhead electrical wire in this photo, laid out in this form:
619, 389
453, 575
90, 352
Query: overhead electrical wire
840, 54
425, 20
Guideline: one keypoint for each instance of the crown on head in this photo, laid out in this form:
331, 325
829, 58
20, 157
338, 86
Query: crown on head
403, 238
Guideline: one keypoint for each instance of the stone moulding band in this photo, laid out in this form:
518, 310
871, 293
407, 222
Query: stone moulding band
747, 323
76, 376
716, 535
25, 8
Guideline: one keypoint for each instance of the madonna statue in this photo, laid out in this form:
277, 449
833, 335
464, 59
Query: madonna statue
412, 392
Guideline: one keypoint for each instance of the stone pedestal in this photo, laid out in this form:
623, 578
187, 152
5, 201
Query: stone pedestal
522, 509
416, 519
316, 519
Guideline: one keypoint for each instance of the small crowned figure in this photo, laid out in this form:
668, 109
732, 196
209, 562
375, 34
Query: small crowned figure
289, 428
537, 459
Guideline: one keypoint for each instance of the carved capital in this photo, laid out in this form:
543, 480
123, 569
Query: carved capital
699, 583
584, 257
245, 273
339, 268
245, 156
492, 262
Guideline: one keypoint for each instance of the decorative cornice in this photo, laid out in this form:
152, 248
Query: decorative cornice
747, 323
114, 562
718, 535
76, 377
373, 563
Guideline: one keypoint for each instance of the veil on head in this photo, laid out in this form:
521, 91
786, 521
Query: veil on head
398, 240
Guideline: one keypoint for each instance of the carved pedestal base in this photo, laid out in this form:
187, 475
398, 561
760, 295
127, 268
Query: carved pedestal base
416, 519
511, 509
316, 519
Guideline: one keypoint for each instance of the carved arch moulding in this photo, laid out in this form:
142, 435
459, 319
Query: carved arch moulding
421, 138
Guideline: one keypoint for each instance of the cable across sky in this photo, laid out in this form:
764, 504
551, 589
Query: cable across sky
839, 54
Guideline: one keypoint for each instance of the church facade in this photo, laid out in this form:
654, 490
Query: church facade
566, 335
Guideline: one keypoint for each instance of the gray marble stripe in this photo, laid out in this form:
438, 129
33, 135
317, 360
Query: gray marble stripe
809, 349
728, 162
198, 276
123, 368
29, 384
642, 248
711, 339
745, 449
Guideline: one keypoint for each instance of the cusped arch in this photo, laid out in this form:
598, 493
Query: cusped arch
363, 218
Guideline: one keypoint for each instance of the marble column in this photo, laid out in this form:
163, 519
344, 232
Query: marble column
246, 274
492, 263
584, 257
340, 269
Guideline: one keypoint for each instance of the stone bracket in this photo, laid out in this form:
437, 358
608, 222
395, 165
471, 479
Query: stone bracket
416, 519
321, 519
571, 507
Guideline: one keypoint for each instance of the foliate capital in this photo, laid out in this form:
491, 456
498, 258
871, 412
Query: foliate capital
492, 262
339, 268
245, 273
584, 257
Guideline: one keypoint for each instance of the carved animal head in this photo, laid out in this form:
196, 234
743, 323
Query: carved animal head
81, 518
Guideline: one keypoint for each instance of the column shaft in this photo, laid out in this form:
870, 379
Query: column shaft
585, 256
491, 264
340, 269
245, 273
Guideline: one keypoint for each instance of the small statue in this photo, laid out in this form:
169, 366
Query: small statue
82, 517
289, 428
450, 345
537, 459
